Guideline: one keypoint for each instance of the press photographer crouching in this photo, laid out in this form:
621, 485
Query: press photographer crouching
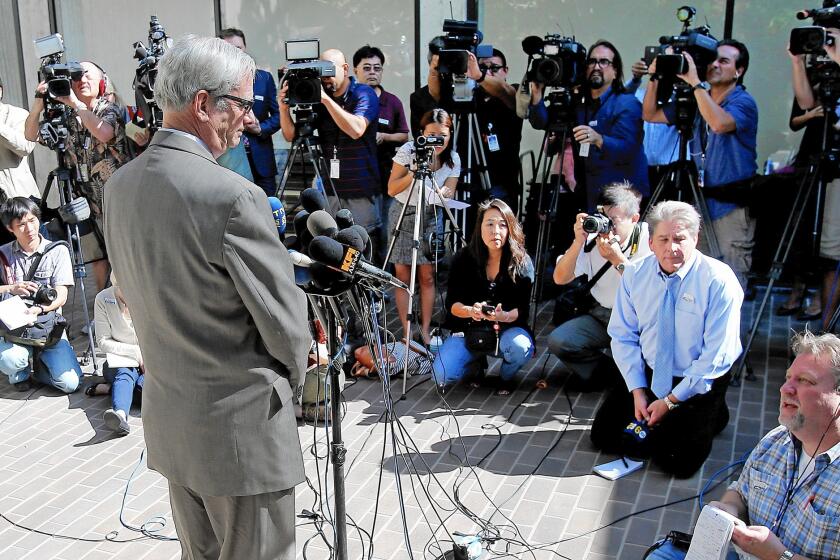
124, 369
488, 300
595, 262
31, 265
675, 331
95, 149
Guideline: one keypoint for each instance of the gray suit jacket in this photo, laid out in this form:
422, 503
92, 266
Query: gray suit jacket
220, 321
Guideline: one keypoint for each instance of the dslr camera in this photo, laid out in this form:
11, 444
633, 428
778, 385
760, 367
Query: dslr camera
697, 42
460, 38
50, 50
813, 39
555, 60
45, 295
305, 72
597, 223
146, 73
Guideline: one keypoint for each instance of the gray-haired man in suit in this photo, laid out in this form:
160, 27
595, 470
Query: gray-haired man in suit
217, 314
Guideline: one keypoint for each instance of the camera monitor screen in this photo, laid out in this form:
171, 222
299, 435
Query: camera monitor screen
49, 45
306, 49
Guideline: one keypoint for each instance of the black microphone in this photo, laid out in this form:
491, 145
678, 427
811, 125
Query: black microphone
300, 221
344, 218
317, 278
349, 260
321, 223
532, 45
312, 199
351, 238
818, 13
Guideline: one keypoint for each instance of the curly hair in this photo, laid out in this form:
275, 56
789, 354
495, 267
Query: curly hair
515, 259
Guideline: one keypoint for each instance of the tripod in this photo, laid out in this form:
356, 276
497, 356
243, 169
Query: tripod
813, 182
306, 140
418, 184
56, 140
546, 212
474, 149
679, 176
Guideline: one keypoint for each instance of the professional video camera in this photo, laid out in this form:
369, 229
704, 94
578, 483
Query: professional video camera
305, 72
424, 148
460, 38
58, 76
554, 61
813, 39
146, 74
697, 42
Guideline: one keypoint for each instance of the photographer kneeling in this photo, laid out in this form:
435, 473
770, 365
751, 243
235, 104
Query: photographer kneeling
581, 342
29, 264
488, 300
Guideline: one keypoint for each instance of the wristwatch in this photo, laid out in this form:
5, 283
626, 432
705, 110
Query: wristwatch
701, 85
786, 555
620, 268
671, 406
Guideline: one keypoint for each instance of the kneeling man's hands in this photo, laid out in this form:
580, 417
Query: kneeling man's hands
758, 541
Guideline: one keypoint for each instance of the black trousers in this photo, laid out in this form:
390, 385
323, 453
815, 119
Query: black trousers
679, 444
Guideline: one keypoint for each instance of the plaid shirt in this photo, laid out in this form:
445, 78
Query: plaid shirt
810, 523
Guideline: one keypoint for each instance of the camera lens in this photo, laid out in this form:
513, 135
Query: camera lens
597, 223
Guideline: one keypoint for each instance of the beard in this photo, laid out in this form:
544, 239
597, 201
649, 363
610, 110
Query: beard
795, 423
596, 80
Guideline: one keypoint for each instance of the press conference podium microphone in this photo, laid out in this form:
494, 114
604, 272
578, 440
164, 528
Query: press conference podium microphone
321, 223
312, 199
348, 259
344, 218
279, 214
351, 238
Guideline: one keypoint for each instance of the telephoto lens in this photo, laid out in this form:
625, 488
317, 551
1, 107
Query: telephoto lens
597, 223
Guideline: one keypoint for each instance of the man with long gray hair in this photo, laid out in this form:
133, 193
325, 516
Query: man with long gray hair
216, 311
675, 331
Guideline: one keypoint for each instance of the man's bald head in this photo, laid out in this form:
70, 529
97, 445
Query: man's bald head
337, 84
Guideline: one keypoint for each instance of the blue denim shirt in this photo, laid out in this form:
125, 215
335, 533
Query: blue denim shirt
622, 157
730, 156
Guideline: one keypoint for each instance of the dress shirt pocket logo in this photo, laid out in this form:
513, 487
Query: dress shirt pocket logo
686, 304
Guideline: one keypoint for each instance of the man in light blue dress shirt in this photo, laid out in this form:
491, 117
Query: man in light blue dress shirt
674, 347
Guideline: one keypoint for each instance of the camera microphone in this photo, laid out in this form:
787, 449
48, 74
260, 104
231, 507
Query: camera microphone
532, 45
312, 199
348, 259
818, 12
279, 214
344, 218
321, 223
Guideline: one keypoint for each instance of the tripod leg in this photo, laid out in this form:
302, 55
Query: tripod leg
700, 201
287, 170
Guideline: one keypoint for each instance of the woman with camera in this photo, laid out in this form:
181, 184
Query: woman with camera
488, 300
446, 168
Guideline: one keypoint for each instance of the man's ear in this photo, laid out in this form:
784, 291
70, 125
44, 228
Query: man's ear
201, 105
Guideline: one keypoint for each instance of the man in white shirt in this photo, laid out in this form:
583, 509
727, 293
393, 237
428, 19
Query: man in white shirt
582, 343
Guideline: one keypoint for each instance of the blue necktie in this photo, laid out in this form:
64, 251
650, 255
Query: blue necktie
663, 373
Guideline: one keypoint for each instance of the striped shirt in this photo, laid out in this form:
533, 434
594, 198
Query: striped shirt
808, 525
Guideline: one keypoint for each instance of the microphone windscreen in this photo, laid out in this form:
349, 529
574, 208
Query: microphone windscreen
279, 214
344, 218
351, 238
312, 199
362, 233
326, 278
291, 242
532, 44
321, 223
326, 250
300, 221
304, 239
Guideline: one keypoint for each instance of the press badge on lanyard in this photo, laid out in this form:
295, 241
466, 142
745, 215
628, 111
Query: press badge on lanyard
334, 165
492, 139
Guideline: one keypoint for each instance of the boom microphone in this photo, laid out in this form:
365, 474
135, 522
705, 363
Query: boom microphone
818, 13
312, 199
349, 260
279, 214
321, 223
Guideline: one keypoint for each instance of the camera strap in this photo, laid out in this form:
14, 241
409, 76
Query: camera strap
33, 268
634, 246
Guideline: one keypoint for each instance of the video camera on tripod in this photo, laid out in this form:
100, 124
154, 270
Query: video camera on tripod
460, 38
58, 76
424, 149
305, 72
146, 74
671, 62
559, 63
814, 38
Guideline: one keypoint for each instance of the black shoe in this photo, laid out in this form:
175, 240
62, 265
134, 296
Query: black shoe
23, 386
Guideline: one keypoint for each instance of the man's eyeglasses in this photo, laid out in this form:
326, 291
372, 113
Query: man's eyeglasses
602, 62
245, 104
493, 68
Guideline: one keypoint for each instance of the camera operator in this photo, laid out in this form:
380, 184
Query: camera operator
829, 251
428, 97
264, 122
725, 137
609, 132
15, 177
95, 149
675, 332
54, 365
347, 125
581, 342
392, 130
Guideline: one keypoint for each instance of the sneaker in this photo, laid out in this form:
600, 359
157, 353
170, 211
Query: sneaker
116, 421
23, 386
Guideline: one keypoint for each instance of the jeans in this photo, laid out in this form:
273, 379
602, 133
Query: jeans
56, 366
515, 348
126, 383
669, 552
580, 343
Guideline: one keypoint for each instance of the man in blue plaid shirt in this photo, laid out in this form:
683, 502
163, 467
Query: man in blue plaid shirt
787, 493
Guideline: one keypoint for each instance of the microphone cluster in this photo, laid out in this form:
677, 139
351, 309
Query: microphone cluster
328, 251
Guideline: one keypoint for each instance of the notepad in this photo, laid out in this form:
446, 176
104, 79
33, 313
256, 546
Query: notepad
618, 468
14, 314
712, 534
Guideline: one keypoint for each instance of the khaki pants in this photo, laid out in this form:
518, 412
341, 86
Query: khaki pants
735, 234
